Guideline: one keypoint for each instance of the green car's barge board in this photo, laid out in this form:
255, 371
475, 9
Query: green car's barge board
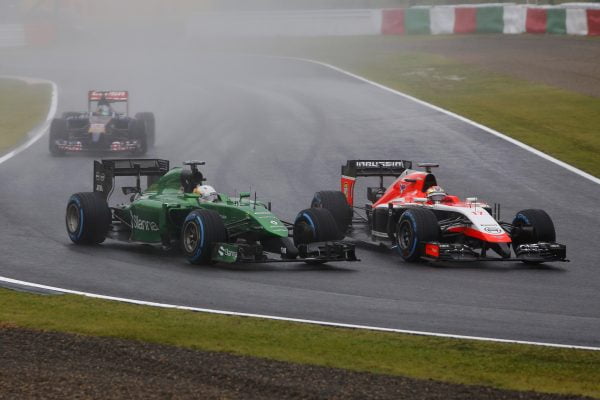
22, 107
507, 366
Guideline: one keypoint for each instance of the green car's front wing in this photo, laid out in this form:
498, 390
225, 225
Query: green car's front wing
232, 253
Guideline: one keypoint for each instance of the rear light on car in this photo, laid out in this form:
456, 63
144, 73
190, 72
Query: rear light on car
432, 250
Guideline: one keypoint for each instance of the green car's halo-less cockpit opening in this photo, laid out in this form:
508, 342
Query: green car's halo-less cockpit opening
179, 206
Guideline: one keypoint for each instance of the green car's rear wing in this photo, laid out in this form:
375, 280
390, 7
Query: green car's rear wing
105, 172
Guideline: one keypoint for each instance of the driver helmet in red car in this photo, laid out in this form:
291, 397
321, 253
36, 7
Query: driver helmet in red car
436, 194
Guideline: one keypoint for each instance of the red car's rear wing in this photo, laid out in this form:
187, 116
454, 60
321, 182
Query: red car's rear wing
109, 96
380, 168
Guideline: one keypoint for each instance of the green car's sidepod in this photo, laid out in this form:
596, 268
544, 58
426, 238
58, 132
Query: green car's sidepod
227, 229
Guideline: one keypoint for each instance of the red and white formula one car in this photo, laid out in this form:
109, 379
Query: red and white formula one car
421, 221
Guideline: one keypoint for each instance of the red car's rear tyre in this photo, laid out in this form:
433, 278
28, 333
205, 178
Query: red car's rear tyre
334, 201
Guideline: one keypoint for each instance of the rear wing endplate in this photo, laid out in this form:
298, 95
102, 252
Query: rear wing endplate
106, 170
379, 168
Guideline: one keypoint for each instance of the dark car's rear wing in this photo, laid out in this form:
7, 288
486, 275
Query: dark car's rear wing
105, 171
108, 96
379, 168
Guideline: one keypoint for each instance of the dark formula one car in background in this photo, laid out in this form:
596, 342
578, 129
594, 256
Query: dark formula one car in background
421, 221
102, 128
211, 227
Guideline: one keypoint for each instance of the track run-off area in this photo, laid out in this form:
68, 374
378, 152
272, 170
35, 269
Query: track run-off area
282, 127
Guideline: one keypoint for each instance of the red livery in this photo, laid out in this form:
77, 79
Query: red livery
417, 218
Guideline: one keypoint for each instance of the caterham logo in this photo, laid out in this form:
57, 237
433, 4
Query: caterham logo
143, 225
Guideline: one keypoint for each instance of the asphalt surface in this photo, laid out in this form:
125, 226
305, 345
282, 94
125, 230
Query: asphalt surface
283, 128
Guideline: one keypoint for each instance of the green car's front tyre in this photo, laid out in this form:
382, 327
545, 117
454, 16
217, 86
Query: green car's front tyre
315, 225
87, 218
201, 230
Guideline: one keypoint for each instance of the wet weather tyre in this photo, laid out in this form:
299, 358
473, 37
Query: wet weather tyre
139, 132
334, 201
150, 124
200, 231
58, 131
532, 226
88, 218
415, 226
315, 225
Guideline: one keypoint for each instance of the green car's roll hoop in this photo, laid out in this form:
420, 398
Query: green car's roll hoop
229, 230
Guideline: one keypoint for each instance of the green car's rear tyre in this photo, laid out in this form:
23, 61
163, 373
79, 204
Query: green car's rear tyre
200, 230
87, 218
315, 225
335, 201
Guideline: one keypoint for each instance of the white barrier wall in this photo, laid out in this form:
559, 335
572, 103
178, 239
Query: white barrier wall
514, 19
576, 22
442, 20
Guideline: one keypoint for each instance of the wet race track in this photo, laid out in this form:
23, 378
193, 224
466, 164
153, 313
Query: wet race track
283, 128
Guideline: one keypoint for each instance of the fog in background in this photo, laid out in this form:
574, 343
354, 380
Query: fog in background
205, 69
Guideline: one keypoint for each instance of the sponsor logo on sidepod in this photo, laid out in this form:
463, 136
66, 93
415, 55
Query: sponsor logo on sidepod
226, 252
143, 225
492, 230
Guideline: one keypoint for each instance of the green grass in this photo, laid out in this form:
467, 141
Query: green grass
558, 122
555, 121
508, 366
22, 107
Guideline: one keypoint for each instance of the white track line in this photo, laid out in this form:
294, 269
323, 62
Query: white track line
305, 321
38, 131
450, 113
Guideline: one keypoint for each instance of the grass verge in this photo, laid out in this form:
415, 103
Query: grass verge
506, 366
558, 122
22, 107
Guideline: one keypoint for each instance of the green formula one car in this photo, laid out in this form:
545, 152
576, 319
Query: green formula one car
177, 206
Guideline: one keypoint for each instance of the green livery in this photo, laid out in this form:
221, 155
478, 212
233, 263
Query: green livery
176, 207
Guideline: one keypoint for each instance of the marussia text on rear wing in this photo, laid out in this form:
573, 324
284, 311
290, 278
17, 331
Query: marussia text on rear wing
380, 168
106, 170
